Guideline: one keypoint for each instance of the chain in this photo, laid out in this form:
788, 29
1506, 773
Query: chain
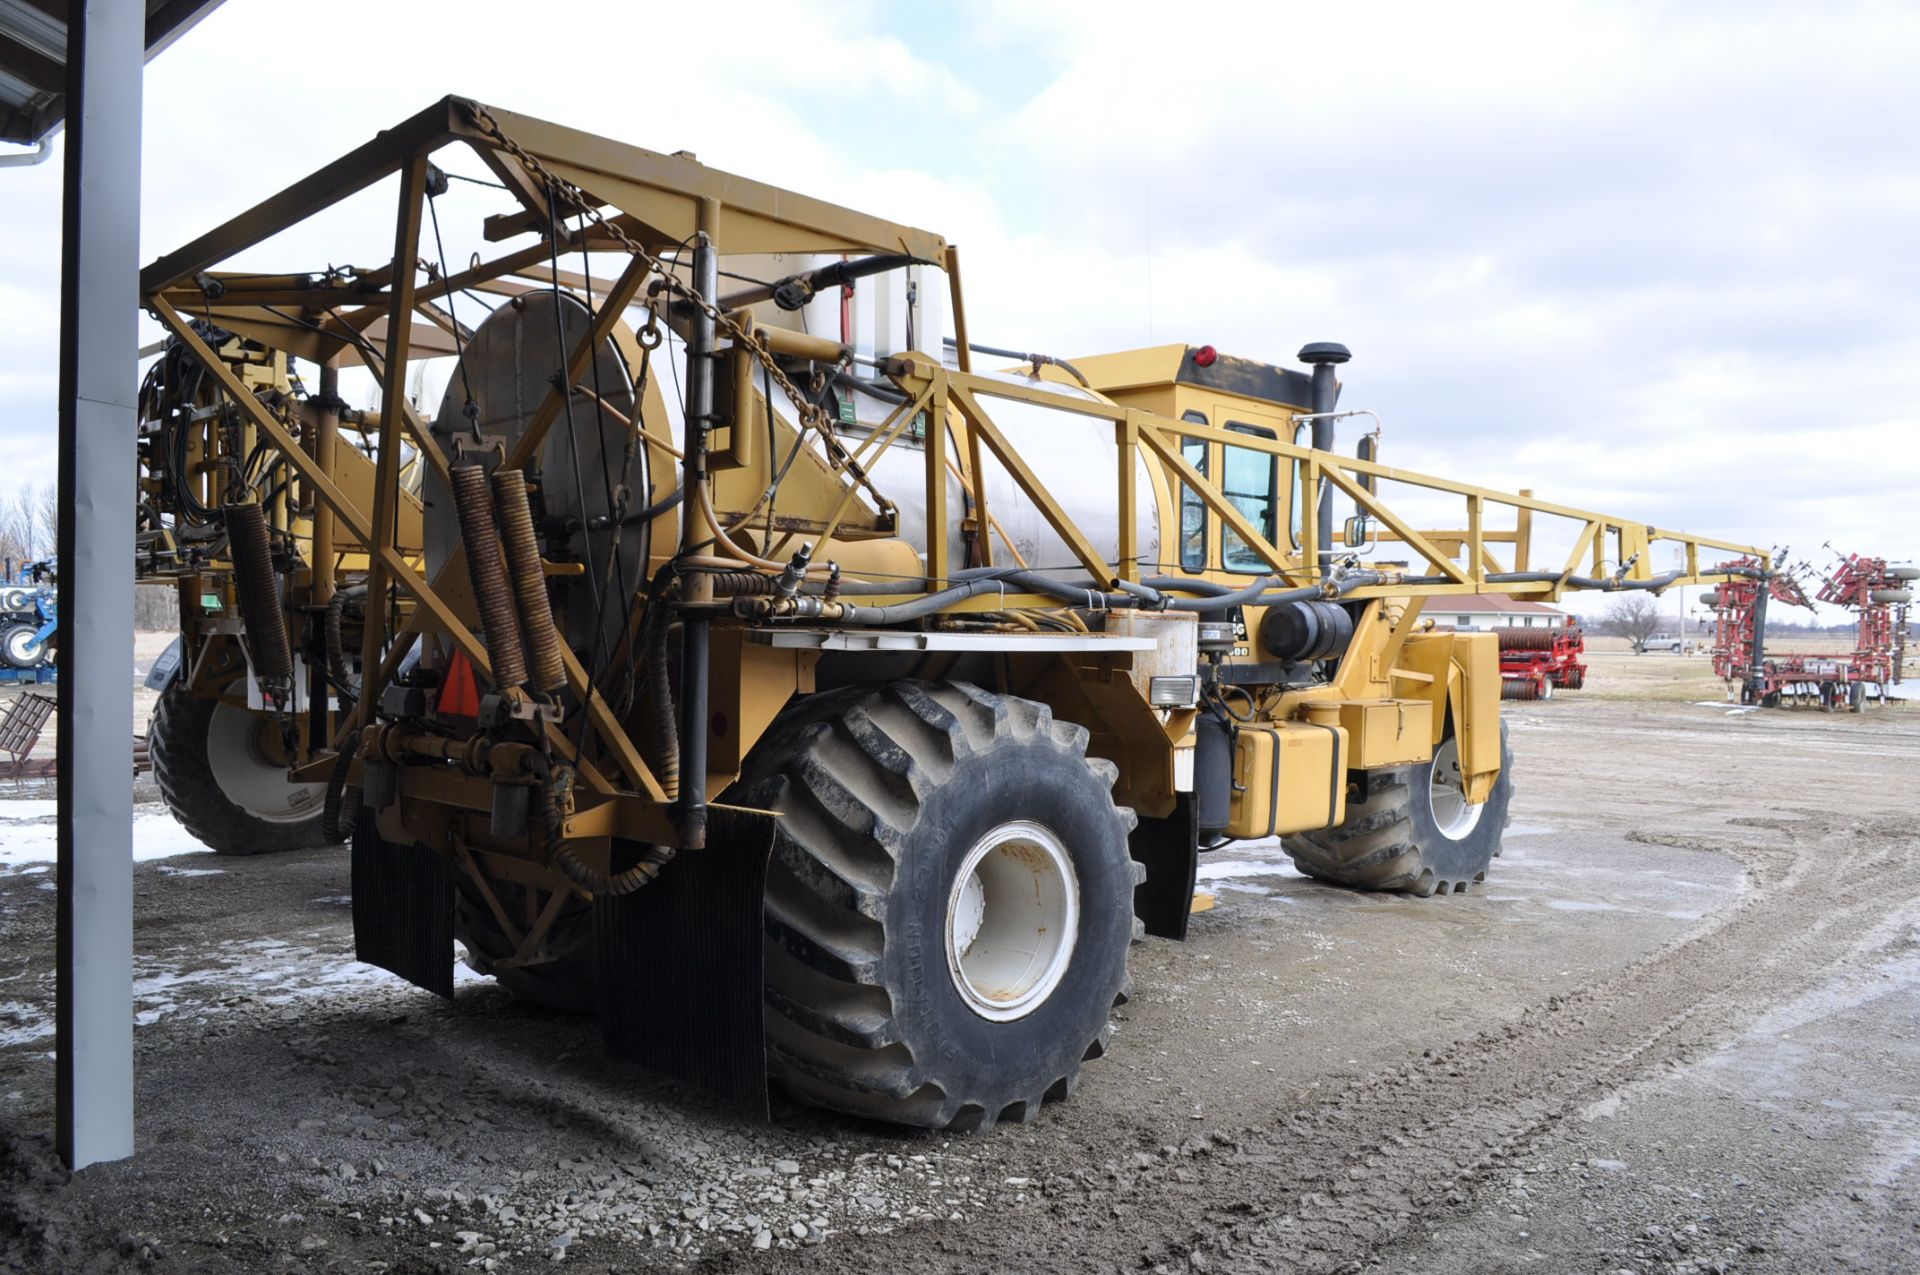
810, 412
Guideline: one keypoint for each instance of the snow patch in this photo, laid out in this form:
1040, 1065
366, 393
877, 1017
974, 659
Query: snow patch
22, 1024
27, 833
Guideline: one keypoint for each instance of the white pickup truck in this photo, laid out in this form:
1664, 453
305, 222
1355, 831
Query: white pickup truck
1669, 643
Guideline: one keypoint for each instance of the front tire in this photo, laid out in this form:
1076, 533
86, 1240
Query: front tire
1415, 833
220, 786
949, 905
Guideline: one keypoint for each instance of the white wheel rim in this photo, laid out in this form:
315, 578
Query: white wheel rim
1453, 814
249, 780
22, 650
1012, 917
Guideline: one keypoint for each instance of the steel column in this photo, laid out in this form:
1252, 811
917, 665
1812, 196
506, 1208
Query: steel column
702, 336
99, 373
393, 393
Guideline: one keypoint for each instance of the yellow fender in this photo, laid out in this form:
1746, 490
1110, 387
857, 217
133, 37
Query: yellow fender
1459, 674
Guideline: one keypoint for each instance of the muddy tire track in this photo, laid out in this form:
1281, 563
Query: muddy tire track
1322, 1183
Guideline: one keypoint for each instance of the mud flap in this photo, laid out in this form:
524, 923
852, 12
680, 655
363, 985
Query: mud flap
677, 964
402, 909
1170, 849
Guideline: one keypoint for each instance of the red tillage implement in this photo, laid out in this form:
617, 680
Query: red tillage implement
1877, 592
1536, 662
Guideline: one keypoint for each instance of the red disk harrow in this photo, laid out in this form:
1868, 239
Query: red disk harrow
1536, 662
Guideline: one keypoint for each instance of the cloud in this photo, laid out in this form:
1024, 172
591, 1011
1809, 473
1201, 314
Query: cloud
1650, 258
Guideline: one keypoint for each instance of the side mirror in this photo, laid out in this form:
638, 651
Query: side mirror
1359, 531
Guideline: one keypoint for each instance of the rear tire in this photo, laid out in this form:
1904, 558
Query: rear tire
949, 904
1396, 841
220, 788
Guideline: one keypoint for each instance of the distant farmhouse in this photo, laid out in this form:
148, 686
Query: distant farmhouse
1492, 611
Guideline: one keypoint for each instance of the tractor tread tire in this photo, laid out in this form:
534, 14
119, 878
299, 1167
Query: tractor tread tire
177, 745
875, 788
1383, 844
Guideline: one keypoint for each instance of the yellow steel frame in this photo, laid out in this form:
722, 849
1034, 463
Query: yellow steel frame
660, 200
1602, 538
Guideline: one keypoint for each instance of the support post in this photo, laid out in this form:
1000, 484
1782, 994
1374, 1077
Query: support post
702, 336
326, 439
393, 393
1757, 669
99, 333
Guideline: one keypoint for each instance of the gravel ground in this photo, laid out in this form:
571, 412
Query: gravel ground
1674, 1032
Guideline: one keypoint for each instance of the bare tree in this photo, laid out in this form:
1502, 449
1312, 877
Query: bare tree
1635, 617
25, 511
46, 499
156, 608
14, 546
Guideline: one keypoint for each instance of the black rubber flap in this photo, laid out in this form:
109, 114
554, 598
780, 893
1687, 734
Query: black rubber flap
1170, 848
402, 909
678, 963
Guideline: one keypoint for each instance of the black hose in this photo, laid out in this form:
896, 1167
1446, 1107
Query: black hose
857, 588
1606, 584
654, 510
336, 816
662, 736
882, 390
918, 608
336, 640
1247, 596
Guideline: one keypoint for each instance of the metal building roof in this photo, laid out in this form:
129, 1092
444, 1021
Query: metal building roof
33, 58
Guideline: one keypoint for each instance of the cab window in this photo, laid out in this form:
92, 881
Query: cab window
1193, 510
1251, 480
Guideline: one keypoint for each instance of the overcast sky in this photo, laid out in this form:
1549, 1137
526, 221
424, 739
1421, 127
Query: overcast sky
1658, 260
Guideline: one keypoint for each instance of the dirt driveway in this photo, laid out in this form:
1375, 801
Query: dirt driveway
1678, 1029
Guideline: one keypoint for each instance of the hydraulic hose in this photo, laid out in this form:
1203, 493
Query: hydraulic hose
703, 509
1606, 584
654, 510
337, 817
528, 577
265, 624
334, 630
661, 739
487, 571
614, 884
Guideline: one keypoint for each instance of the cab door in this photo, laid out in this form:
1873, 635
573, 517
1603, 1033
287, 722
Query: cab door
1259, 484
